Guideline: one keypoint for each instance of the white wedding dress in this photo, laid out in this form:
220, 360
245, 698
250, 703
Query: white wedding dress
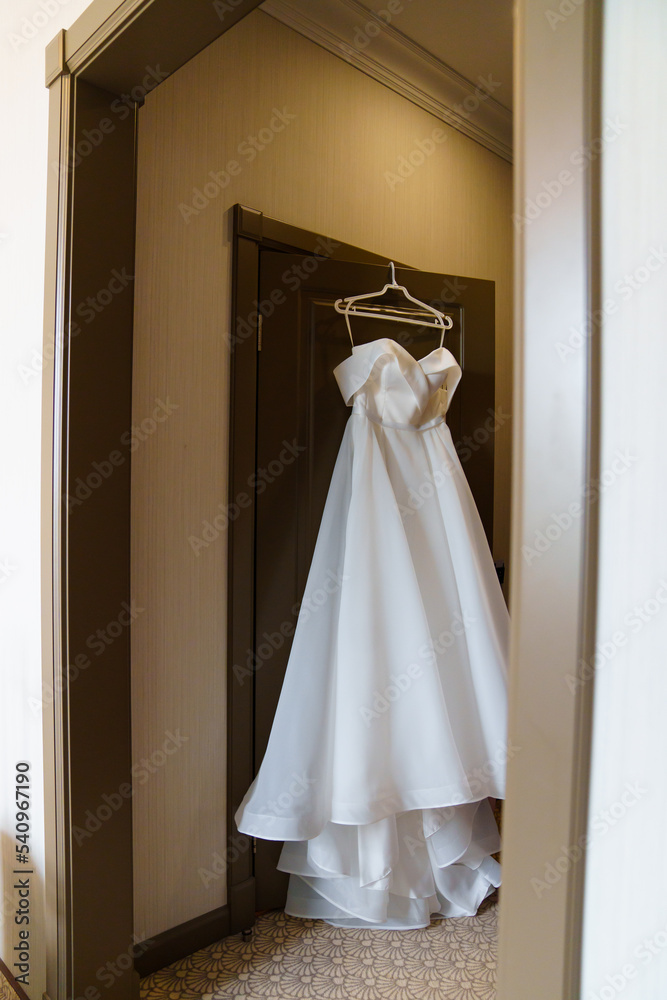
390, 731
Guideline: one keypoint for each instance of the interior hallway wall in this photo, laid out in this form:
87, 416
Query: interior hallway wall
330, 137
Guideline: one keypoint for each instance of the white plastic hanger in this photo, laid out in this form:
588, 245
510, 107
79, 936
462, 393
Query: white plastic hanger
397, 314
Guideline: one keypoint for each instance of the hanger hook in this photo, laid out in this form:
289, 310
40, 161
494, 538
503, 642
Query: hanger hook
392, 273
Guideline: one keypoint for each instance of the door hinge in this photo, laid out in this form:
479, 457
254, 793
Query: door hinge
254, 845
259, 332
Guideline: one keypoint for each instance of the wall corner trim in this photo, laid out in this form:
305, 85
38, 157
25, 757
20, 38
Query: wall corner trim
54, 58
248, 222
402, 65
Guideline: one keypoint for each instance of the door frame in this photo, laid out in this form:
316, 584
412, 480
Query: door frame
252, 232
86, 563
557, 255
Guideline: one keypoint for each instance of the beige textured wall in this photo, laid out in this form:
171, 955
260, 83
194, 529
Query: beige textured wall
324, 171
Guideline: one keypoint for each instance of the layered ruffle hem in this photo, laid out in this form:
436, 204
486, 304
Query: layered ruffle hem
397, 872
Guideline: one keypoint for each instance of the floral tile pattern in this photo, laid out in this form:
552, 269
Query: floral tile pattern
292, 959
9, 990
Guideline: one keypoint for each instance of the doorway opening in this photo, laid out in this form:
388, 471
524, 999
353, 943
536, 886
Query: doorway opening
192, 286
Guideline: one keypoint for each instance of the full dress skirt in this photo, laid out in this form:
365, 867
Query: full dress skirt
390, 731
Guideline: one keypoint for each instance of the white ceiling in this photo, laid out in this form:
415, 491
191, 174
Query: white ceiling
473, 37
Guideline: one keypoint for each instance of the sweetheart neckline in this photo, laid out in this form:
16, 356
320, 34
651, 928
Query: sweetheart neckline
390, 340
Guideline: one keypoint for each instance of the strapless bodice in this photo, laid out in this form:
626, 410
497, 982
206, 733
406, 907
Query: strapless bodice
382, 381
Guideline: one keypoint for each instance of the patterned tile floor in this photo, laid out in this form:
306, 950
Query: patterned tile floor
9, 988
296, 959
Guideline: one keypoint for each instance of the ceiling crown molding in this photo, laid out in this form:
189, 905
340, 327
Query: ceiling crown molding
347, 29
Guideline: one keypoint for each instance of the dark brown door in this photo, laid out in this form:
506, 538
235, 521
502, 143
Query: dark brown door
300, 421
